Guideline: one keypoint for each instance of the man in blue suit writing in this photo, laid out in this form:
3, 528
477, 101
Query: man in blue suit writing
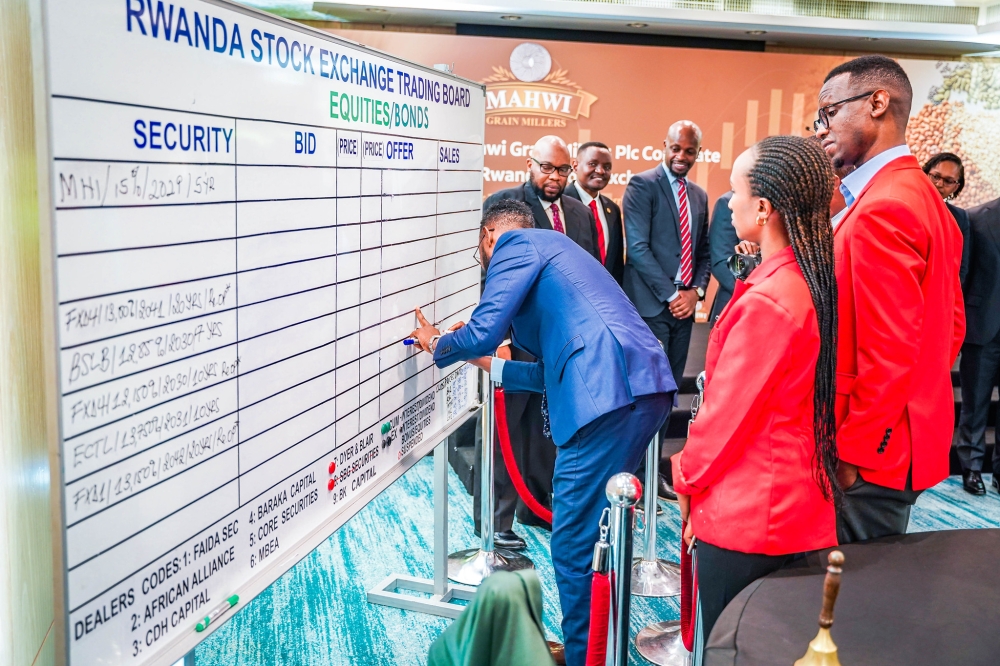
606, 379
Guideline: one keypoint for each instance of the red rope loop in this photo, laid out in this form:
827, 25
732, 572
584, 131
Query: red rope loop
600, 612
500, 416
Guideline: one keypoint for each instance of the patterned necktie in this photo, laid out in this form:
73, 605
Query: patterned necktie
687, 265
556, 222
600, 230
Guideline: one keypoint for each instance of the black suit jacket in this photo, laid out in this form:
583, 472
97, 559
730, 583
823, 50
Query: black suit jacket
982, 284
722, 240
579, 223
962, 219
653, 239
614, 260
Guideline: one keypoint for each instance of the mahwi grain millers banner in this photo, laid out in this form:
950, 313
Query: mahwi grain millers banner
627, 96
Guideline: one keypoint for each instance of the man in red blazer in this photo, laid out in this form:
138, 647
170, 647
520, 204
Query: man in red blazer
902, 318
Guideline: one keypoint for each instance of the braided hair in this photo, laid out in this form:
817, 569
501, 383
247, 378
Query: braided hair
796, 176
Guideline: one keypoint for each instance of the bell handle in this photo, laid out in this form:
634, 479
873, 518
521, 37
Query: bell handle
831, 587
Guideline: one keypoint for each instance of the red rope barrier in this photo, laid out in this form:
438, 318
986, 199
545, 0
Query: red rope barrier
500, 416
689, 594
600, 610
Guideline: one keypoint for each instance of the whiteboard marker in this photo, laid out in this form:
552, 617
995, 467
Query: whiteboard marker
409, 341
217, 611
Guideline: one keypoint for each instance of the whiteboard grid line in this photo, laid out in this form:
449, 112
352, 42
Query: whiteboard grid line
267, 120
261, 494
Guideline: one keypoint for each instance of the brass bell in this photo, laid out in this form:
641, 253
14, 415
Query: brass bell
822, 650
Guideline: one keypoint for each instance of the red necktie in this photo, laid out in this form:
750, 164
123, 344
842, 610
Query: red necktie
556, 222
600, 229
687, 266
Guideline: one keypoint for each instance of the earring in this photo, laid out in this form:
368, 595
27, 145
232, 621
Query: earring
761, 220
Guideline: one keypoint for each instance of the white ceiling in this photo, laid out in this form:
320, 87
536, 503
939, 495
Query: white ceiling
661, 17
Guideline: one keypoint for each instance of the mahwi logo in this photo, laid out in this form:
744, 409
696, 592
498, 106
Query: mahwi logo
531, 93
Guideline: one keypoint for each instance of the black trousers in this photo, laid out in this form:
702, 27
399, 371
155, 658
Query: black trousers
722, 574
504, 494
675, 336
869, 511
979, 370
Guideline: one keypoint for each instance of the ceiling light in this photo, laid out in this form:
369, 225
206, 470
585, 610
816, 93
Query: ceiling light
510, 17
756, 32
377, 10
638, 25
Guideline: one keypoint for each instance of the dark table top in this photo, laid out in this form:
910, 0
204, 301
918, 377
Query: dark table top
927, 598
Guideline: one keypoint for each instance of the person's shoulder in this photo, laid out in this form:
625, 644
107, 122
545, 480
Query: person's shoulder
608, 202
571, 191
984, 213
643, 177
575, 206
787, 292
516, 193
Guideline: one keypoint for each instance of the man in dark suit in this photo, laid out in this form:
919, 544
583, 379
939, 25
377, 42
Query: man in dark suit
668, 263
548, 171
722, 240
980, 364
592, 168
606, 379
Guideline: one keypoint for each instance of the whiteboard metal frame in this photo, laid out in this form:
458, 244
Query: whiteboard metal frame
185, 643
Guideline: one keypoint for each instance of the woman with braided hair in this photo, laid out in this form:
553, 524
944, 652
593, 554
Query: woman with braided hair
756, 477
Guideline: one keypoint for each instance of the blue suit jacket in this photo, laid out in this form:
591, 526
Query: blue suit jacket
595, 354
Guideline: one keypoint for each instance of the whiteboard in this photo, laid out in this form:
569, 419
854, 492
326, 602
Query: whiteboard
244, 213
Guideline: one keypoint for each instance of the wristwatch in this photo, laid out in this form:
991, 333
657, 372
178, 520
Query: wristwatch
432, 343
701, 293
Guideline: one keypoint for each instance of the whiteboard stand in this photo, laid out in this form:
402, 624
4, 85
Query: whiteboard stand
442, 592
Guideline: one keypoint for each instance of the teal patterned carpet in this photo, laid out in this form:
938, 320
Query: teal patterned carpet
317, 613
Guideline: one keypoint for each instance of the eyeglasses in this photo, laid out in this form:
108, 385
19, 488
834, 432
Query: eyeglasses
548, 168
824, 111
477, 254
938, 178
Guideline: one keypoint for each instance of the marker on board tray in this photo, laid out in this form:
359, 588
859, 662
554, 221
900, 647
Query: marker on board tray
216, 612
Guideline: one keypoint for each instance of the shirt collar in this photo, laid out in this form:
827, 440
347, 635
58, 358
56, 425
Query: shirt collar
770, 265
855, 182
549, 204
584, 194
670, 175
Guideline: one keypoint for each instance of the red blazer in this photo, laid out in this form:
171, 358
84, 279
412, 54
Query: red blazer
747, 463
902, 322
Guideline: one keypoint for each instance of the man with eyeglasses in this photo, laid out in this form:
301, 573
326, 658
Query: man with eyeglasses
606, 380
548, 170
901, 317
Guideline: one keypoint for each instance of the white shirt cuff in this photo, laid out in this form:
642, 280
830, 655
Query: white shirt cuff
677, 292
496, 370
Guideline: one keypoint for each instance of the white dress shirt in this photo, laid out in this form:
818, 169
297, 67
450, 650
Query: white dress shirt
586, 199
547, 205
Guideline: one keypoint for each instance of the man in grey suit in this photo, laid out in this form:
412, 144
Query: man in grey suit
722, 240
548, 167
980, 364
668, 261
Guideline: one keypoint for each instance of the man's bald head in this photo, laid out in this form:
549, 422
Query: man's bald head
684, 128
549, 166
681, 147
551, 149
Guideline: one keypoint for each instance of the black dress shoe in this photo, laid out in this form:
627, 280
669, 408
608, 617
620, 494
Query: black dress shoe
664, 491
508, 540
972, 482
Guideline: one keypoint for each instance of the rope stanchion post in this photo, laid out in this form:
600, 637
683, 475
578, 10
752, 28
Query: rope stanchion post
472, 566
623, 492
662, 643
652, 577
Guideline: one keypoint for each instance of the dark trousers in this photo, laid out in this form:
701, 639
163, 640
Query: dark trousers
722, 574
504, 494
869, 511
610, 444
675, 336
979, 370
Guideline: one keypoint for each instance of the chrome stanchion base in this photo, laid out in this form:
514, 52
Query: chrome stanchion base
661, 644
655, 578
470, 567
